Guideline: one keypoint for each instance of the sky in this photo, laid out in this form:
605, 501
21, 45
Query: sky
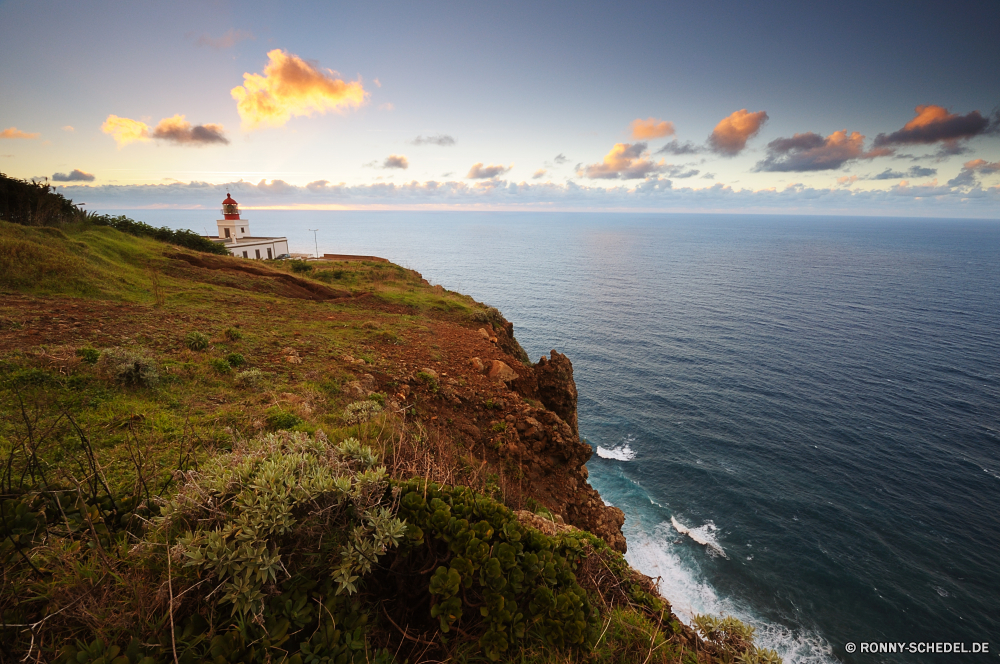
876, 108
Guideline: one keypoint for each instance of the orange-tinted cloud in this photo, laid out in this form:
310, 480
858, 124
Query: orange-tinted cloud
14, 132
480, 172
934, 124
125, 130
175, 130
730, 136
396, 161
982, 166
291, 87
812, 152
847, 180
539, 174
625, 161
69, 128
644, 130
178, 130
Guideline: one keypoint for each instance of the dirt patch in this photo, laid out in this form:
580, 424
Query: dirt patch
293, 286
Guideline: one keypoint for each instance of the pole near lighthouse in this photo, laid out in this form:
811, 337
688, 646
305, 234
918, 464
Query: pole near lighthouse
315, 240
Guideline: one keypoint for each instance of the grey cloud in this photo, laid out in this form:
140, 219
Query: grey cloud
812, 152
183, 133
227, 40
76, 175
444, 140
675, 147
708, 176
480, 172
396, 161
560, 158
914, 172
965, 178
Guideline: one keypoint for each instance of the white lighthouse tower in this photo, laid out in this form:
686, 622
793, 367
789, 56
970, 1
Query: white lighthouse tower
234, 233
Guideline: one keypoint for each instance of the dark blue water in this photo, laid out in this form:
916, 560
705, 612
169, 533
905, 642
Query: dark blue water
813, 400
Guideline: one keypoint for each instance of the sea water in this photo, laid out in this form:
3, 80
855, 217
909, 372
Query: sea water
800, 416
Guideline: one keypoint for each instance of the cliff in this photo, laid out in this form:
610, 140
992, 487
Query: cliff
138, 379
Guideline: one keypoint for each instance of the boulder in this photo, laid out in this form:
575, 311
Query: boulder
500, 371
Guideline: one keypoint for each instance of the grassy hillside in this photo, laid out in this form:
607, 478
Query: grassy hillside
207, 458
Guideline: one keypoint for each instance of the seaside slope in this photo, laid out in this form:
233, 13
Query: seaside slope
139, 377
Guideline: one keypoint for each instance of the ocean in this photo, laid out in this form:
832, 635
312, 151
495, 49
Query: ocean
799, 416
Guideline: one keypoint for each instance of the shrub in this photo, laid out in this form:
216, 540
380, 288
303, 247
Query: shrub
735, 638
249, 378
301, 267
88, 355
498, 427
521, 580
490, 315
235, 359
221, 366
430, 379
196, 340
360, 412
233, 334
282, 419
130, 367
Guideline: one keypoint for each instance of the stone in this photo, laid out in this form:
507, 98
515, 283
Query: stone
500, 371
477, 364
484, 334
430, 372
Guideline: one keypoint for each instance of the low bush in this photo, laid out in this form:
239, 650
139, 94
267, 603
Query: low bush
734, 638
88, 355
360, 412
236, 359
196, 340
221, 366
232, 334
301, 267
282, 419
249, 378
130, 367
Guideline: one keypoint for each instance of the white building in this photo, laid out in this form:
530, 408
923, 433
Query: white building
234, 233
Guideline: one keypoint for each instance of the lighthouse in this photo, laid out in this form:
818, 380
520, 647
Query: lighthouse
234, 233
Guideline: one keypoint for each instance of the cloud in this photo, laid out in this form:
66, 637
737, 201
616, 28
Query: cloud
708, 176
230, 38
125, 130
679, 173
175, 130
76, 175
934, 124
388, 106
675, 147
914, 172
178, 130
14, 132
625, 161
560, 158
291, 87
651, 128
730, 136
480, 172
444, 140
655, 193
847, 180
68, 128
967, 176
982, 166
812, 152
396, 161
539, 174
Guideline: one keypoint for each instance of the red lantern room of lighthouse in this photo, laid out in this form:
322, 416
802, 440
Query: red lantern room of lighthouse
231, 227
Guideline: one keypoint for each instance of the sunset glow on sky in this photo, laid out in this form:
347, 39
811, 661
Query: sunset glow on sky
860, 108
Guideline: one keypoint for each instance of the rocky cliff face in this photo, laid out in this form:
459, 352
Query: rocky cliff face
552, 454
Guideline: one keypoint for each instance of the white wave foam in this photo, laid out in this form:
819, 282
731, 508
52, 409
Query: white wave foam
655, 555
620, 453
704, 535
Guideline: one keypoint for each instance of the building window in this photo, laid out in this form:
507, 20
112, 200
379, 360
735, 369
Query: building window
258, 253
241, 230
227, 231
269, 257
245, 255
